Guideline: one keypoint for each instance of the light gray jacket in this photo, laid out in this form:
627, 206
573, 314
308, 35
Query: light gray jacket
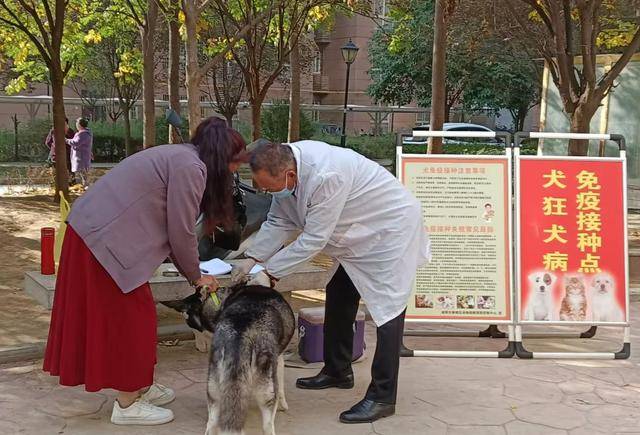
81, 145
142, 211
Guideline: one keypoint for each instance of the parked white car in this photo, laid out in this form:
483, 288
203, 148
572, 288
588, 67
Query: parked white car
453, 126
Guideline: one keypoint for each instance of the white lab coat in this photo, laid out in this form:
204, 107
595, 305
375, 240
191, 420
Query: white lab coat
355, 211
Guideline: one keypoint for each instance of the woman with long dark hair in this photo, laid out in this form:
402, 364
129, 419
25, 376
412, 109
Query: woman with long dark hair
103, 323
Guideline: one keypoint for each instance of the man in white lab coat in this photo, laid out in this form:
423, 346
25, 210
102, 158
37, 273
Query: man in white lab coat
355, 211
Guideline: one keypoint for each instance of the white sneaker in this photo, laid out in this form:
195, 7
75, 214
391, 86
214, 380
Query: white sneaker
140, 413
158, 395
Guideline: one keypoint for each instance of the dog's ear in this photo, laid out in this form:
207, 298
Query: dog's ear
201, 294
180, 305
183, 305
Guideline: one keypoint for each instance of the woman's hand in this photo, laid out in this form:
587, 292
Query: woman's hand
207, 281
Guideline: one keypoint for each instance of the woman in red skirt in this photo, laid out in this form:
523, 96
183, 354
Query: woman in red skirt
103, 323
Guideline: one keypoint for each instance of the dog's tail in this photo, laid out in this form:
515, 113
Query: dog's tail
243, 364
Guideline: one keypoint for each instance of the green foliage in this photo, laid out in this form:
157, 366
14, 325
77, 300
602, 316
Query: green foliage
373, 147
31, 136
400, 56
275, 123
244, 128
27, 61
483, 71
383, 147
112, 55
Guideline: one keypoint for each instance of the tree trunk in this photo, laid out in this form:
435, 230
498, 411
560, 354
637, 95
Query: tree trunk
61, 173
128, 145
438, 74
294, 95
193, 67
174, 67
229, 118
522, 115
148, 33
580, 120
256, 111
447, 112
16, 150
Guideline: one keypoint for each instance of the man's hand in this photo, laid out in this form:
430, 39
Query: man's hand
260, 278
241, 269
207, 281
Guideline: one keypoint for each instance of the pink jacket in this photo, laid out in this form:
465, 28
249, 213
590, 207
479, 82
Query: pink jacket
142, 211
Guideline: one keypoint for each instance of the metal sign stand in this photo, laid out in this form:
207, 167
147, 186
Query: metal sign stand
521, 351
492, 331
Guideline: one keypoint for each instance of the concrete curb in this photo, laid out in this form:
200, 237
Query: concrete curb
34, 351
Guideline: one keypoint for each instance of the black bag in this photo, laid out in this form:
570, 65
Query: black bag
251, 208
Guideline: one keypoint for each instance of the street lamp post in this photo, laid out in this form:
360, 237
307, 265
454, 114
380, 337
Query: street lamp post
349, 53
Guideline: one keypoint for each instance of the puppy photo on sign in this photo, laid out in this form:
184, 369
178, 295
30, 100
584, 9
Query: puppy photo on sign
540, 305
603, 304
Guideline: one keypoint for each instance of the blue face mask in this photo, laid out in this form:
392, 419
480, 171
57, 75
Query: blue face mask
286, 192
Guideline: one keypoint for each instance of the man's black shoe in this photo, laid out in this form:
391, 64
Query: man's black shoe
367, 411
322, 381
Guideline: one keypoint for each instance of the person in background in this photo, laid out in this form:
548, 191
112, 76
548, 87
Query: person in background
103, 331
51, 144
81, 145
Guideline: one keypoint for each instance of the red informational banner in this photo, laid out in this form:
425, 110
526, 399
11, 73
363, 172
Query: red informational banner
572, 241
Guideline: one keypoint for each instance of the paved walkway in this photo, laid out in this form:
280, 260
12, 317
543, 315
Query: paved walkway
436, 396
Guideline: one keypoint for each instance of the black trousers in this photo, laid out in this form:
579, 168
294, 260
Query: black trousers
340, 314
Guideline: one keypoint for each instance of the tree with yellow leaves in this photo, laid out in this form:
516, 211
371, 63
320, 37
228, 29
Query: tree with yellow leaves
44, 39
565, 31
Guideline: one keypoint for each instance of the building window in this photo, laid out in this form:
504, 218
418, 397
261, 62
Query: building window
165, 97
317, 63
422, 118
203, 112
165, 62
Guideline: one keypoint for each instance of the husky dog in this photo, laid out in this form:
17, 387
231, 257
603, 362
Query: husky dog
251, 326
603, 302
540, 302
574, 303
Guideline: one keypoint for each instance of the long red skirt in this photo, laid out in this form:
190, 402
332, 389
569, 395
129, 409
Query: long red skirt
99, 336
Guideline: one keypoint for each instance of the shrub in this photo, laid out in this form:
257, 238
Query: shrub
31, 136
275, 123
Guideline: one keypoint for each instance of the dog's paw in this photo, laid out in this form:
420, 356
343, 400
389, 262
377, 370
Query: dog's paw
282, 404
202, 341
